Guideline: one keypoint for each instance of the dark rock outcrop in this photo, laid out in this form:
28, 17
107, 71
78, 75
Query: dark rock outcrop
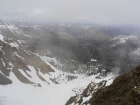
123, 91
4, 80
87, 93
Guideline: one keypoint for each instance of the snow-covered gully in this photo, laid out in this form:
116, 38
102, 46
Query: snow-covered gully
49, 94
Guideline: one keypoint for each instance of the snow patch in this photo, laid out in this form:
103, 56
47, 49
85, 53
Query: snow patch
3, 62
93, 60
15, 53
14, 44
1, 38
1, 48
34, 77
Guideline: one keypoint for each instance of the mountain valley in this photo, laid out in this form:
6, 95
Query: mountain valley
46, 64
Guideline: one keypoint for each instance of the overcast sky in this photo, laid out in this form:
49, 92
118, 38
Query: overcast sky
105, 12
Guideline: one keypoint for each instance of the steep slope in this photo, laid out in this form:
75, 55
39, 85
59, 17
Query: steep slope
75, 56
52, 94
25, 65
81, 99
120, 53
14, 59
111, 48
125, 90
29, 59
123, 39
33, 67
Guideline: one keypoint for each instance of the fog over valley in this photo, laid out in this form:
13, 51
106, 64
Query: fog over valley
67, 52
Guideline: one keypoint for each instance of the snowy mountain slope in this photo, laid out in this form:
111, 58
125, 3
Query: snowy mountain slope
122, 39
123, 91
11, 32
53, 94
23, 41
21, 63
28, 77
120, 52
27, 67
108, 53
69, 65
23, 73
23, 68
31, 74
16, 58
81, 99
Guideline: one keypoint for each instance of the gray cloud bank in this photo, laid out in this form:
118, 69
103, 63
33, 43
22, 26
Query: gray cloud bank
105, 12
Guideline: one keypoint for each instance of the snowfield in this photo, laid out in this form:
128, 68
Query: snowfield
56, 90
49, 94
58, 86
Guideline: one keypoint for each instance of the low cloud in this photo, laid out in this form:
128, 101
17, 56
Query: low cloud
105, 12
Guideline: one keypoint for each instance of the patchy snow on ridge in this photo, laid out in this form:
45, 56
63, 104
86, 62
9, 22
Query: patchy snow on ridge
15, 53
121, 39
1, 37
136, 52
3, 62
14, 44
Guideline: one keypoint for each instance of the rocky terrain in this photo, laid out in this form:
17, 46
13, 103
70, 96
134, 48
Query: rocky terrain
125, 90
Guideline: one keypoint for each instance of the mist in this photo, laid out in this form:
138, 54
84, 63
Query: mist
102, 12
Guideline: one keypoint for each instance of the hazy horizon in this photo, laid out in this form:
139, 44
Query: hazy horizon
101, 12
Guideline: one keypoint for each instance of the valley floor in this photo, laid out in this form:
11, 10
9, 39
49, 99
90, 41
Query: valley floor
53, 94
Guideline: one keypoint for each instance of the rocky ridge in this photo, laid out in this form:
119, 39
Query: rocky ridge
125, 90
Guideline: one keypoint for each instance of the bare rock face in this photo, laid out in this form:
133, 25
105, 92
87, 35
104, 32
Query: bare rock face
123, 91
4, 80
82, 99
16, 60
